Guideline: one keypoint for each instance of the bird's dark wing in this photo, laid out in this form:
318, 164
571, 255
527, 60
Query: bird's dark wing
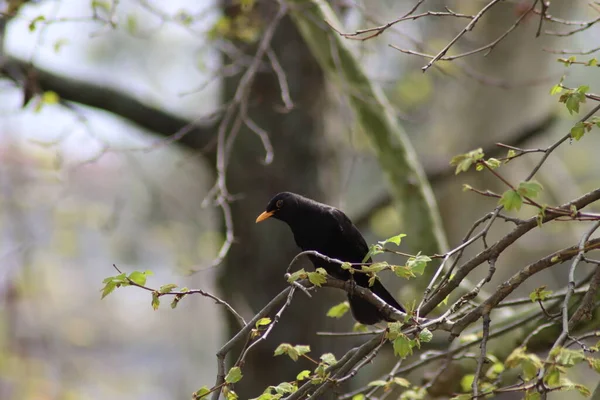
355, 249
350, 239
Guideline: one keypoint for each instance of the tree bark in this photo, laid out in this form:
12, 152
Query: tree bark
303, 161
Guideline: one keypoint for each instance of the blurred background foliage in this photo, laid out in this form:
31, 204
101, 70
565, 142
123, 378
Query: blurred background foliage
83, 188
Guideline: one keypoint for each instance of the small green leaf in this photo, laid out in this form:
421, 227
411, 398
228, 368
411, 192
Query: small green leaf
556, 89
339, 310
378, 383
578, 130
401, 382
403, 271
425, 335
33, 23
50, 97
263, 322
359, 396
301, 274
529, 189
202, 392
155, 301
466, 382
394, 239
176, 300
132, 24
168, 288
464, 161
138, 277
375, 267
316, 278
417, 264
532, 394
374, 249
402, 346
303, 375
234, 375
58, 45
328, 359
540, 294
552, 376
594, 363
108, 288
511, 200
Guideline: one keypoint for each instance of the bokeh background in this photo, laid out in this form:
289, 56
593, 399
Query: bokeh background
90, 183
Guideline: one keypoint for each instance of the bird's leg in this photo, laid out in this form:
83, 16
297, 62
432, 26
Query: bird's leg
350, 285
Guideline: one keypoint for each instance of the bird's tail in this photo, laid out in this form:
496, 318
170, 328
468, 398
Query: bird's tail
367, 313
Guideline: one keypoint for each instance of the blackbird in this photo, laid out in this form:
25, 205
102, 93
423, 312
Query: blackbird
329, 231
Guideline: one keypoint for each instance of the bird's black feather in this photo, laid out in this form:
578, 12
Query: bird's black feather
329, 231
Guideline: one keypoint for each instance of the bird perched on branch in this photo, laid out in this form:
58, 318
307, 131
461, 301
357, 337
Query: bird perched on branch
330, 232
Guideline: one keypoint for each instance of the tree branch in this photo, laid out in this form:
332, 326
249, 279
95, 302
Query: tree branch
114, 101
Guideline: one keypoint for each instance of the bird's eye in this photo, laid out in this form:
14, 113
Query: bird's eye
279, 203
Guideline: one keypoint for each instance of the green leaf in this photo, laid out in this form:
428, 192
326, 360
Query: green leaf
346, 265
375, 267
176, 300
556, 89
540, 294
234, 375
132, 24
403, 271
568, 358
462, 397
339, 310
394, 239
377, 383
529, 189
594, 363
401, 382
138, 277
50, 97
33, 23
168, 288
466, 382
303, 375
493, 163
316, 278
464, 161
425, 335
285, 388
552, 376
301, 274
511, 200
302, 349
578, 130
358, 327
328, 359
374, 249
402, 346
202, 392
108, 288
417, 264
359, 396
263, 322
532, 394
155, 301
230, 394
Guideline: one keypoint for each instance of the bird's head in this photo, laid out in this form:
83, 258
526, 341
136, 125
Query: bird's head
282, 207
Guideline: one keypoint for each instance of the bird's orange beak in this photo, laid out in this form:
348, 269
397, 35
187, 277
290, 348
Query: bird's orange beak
264, 216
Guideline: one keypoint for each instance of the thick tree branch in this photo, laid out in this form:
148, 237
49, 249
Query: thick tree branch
114, 101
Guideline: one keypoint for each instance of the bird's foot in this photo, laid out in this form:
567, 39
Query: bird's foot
350, 286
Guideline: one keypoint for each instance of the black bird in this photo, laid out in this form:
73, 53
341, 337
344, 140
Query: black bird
329, 231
